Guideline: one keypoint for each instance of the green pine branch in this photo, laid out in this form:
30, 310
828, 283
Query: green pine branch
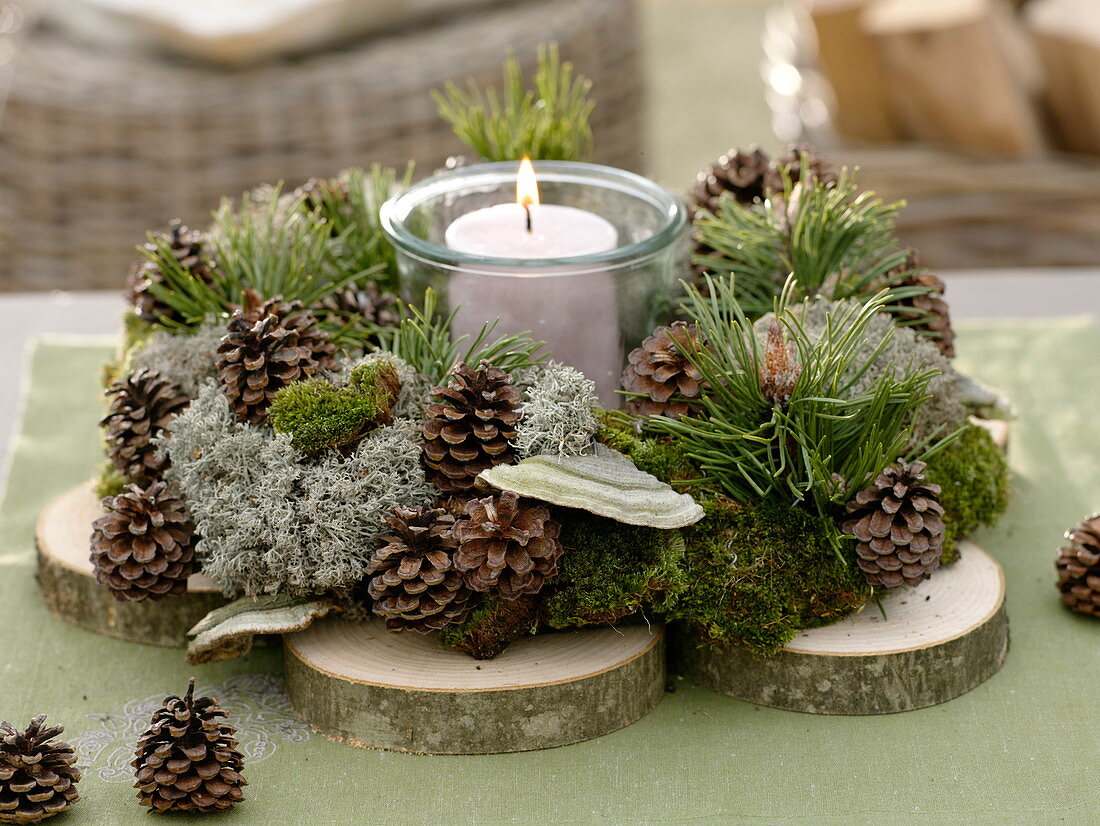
547, 122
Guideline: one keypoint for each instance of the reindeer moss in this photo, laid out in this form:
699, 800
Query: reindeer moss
761, 573
609, 570
972, 473
662, 457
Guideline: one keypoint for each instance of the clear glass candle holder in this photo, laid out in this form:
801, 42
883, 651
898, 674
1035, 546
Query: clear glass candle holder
590, 309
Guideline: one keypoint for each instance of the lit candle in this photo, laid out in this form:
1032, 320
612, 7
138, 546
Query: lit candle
575, 313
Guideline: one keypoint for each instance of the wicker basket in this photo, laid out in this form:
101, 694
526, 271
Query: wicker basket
96, 148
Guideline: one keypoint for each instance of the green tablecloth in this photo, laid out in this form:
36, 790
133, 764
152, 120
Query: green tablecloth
1021, 747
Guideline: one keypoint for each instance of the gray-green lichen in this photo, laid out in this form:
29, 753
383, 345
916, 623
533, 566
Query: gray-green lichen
186, 360
559, 416
273, 523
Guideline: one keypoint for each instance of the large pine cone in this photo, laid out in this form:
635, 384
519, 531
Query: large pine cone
187, 245
140, 407
187, 760
668, 384
507, 547
37, 778
144, 546
898, 526
928, 313
267, 347
738, 173
1078, 567
470, 428
790, 159
413, 582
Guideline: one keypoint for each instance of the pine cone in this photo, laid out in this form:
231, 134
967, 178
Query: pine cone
316, 191
507, 547
140, 407
898, 526
1078, 567
790, 159
37, 778
414, 583
267, 347
361, 307
779, 371
144, 546
187, 246
667, 382
187, 760
741, 174
470, 428
929, 312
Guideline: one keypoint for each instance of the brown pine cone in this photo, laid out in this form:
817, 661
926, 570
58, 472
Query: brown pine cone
779, 371
140, 407
269, 345
316, 192
187, 245
666, 382
470, 428
187, 760
1078, 567
360, 307
929, 312
790, 159
37, 778
144, 546
507, 547
413, 583
741, 174
898, 526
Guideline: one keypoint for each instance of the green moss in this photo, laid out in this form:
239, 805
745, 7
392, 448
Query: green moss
662, 457
609, 570
493, 625
761, 573
109, 482
972, 473
318, 415
135, 332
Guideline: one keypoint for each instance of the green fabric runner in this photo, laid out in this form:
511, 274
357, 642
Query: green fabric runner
1020, 748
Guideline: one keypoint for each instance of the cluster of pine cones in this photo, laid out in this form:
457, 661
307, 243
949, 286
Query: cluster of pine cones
186, 761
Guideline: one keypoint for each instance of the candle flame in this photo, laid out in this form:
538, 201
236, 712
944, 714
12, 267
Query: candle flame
527, 188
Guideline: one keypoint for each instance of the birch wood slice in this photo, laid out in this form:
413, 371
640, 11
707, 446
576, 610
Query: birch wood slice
938, 640
363, 685
70, 589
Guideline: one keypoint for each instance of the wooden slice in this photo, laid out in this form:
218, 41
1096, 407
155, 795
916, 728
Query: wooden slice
70, 589
363, 685
937, 641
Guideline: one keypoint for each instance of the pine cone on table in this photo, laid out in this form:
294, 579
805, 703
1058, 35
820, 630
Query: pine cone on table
37, 777
740, 174
666, 381
898, 526
144, 546
187, 246
414, 583
140, 407
928, 312
790, 159
187, 760
507, 547
1078, 567
267, 346
470, 428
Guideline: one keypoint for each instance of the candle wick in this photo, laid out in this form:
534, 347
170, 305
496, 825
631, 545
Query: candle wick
527, 210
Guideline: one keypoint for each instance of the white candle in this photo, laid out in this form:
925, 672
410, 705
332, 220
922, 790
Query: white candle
576, 314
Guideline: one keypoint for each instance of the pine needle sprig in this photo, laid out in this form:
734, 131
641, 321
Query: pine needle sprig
835, 240
820, 444
547, 122
424, 340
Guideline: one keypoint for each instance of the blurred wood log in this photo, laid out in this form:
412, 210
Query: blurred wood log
1068, 36
960, 73
850, 63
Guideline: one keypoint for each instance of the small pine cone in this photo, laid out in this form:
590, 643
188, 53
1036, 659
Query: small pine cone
666, 382
470, 428
267, 346
741, 174
1078, 567
507, 547
413, 583
144, 546
898, 526
187, 246
316, 191
361, 306
187, 760
929, 312
779, 372
140, 407
791, 160
37, 778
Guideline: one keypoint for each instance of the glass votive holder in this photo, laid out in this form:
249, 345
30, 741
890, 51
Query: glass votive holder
590, 309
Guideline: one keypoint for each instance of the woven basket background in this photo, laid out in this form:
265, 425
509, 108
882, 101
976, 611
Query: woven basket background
98, 148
